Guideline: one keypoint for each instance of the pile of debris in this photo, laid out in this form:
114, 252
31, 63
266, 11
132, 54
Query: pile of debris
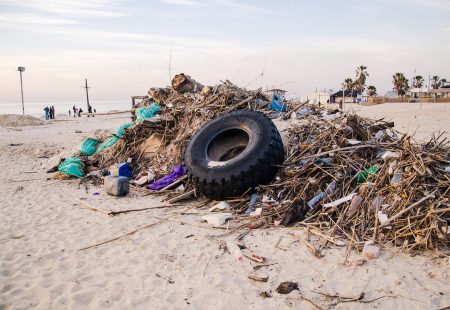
344, 176
351, 177
159, 142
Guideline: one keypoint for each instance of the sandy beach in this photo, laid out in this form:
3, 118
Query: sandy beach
175, 261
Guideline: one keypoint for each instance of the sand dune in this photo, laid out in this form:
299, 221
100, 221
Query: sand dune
15, 120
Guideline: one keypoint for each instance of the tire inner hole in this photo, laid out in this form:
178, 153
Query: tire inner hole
228, 144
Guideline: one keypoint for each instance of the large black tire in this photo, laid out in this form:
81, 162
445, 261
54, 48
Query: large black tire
234, 153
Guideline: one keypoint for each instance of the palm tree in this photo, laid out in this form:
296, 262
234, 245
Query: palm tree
348, 84
401, 83
435, 82
361, 77
372, 91
418, 81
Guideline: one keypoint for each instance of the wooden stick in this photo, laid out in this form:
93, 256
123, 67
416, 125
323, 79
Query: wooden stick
295, 109
180, 180
128, 233
108, 113
407, 209
26, 180
167, 279
114, 213
182, 196
355, 147
258, 279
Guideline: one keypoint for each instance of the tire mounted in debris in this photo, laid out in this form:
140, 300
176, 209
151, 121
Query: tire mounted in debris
234, 153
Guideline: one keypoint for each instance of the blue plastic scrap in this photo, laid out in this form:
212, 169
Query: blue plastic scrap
252, 204
277, 104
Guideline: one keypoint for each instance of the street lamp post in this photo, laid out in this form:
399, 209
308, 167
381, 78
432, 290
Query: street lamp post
21, 69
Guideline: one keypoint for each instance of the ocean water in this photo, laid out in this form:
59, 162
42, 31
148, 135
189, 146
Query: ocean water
37, 108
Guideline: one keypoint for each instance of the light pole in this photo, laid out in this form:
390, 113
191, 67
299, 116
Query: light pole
21, 69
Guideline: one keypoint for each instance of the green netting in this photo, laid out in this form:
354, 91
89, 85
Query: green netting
112, 140
147, 112
121, 130
71, 166
89, 146
107, 143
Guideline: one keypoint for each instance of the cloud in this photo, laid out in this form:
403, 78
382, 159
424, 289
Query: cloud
154, 41
438, 4
247, 9
79, 8
34, 19
234, 8
183, 2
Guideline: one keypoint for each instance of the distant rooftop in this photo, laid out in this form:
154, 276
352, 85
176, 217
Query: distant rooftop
276, 90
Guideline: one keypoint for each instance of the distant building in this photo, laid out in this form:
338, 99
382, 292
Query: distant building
443, 92
349, 96
321, 96
417, 93
277, 91
392, 94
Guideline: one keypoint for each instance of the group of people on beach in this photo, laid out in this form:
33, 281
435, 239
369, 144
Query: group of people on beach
80, 110
49, 112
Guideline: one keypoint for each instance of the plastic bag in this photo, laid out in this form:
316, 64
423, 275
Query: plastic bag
112, 140
277, 104
177, 172
147, 112
89, 146
71, 166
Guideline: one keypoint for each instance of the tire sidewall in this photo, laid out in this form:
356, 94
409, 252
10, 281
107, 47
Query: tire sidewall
258, 128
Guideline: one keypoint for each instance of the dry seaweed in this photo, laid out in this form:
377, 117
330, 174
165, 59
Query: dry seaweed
401, 197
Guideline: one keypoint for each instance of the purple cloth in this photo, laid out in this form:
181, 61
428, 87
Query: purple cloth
177, 172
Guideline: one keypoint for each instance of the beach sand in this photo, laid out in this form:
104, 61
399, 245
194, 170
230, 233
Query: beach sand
178, 262
420, 120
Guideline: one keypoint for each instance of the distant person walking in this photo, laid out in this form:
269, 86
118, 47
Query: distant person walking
47, 113
89, 110
53, 112
80, 110
69, 112
74, 110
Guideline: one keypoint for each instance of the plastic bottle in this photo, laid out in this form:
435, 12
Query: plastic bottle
125, 170
362, 176
328, 191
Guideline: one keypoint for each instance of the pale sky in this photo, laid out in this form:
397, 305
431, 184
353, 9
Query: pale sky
123, 47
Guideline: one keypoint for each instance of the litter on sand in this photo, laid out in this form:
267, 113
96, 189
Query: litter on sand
343, 174
217, 219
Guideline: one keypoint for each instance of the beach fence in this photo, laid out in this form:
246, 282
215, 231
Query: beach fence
381, 100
